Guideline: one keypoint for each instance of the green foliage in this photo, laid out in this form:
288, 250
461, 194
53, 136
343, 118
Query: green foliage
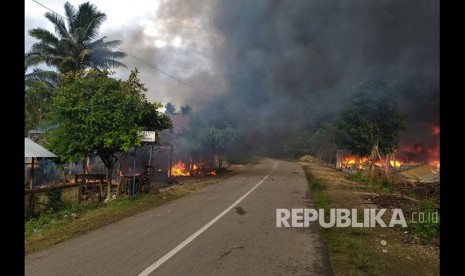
371, 118
211, 141
426, 227
95, 114
297, 144
54, 199
44, 221
323, 140
74, 47
48, 79
37, 101
217, 139
52, 218
378, 185
75, 208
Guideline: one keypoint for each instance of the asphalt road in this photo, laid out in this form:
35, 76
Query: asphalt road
205, 233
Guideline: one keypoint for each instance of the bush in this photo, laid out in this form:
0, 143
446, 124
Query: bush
427, 229
54, 199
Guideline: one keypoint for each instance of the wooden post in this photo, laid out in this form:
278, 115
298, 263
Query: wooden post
150, 156
78, 184
380, 160
31, 188
339, 159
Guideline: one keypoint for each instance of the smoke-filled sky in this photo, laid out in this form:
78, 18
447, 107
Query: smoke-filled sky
273, 66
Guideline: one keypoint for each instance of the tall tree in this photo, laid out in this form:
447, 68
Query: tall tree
186, 109
37, 100
170, 109
95, 114
370, 120
215, 140
322, 141
75, 45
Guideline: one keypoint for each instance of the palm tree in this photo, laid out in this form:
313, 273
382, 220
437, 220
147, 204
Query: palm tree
75, 46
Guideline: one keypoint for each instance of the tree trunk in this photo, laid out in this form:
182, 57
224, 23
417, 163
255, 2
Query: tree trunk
339, 159
109, 175
220, 161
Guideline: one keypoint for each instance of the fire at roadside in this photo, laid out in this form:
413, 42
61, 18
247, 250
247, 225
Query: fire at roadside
414, 163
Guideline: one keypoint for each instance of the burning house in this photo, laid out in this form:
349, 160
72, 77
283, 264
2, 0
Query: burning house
176, 155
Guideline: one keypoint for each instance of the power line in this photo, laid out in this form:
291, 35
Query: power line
135, 57
156, 68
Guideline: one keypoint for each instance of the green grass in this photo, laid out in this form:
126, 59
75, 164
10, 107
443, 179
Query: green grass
375, 184
427, 226
358, 251
51, 219
317, 187
347, 246
53, 227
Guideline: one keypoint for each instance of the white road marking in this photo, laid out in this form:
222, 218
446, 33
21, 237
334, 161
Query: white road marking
180, 246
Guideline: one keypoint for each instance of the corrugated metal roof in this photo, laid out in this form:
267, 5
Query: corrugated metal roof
32, 149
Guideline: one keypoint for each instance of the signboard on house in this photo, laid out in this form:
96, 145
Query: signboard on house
147, 136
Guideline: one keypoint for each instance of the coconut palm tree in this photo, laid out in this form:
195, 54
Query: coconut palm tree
75, 45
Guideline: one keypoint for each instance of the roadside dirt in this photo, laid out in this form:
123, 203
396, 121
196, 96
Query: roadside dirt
389, 251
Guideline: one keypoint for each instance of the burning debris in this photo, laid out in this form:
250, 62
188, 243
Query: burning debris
421, 173
408, 158
181, 169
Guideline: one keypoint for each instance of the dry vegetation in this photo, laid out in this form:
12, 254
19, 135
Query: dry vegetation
360, 251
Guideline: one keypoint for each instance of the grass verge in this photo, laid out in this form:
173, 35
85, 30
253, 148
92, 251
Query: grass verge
367, 251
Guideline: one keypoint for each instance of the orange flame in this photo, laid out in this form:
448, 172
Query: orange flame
395, 164
180, 170
352, 161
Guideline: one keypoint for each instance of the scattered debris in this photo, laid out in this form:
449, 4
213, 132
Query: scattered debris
308, 158
421, 173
